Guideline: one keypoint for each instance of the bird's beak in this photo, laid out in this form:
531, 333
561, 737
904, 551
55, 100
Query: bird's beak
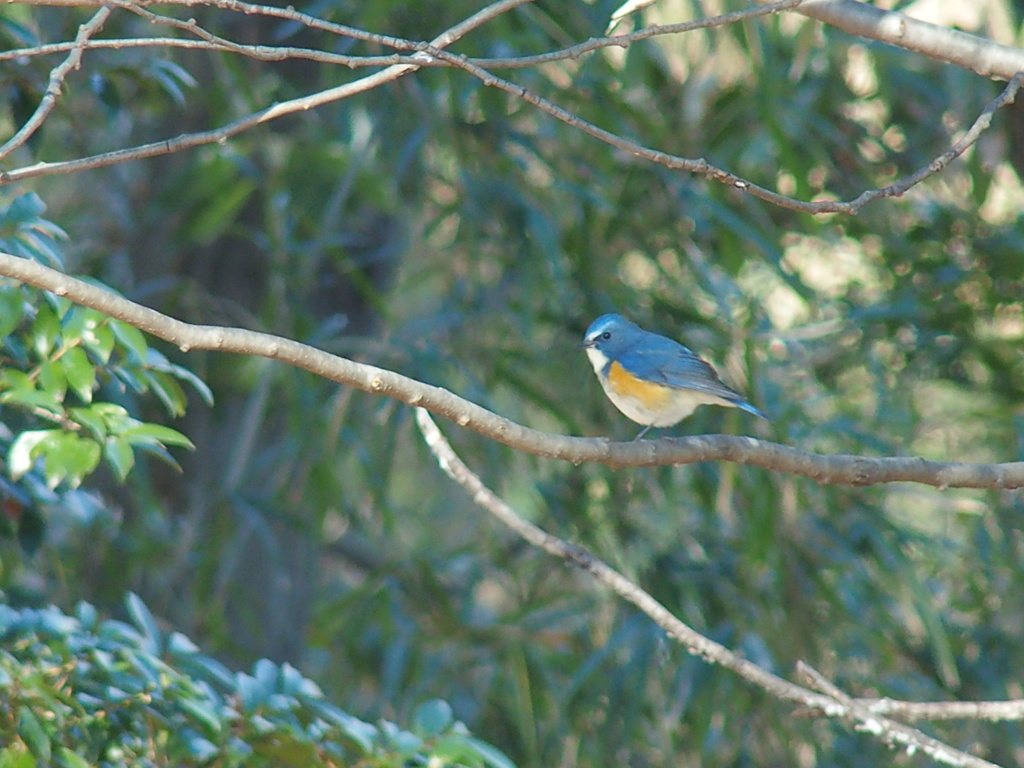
587, 344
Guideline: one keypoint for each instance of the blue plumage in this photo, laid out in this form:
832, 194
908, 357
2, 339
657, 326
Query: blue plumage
652, 379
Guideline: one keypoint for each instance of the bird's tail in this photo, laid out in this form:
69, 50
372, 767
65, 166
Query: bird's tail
744, 405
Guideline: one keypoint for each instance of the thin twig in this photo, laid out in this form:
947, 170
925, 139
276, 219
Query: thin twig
280, 53
57, 76
702, 167
838, 706
896, 735
993, 711
983, 56
624, 41
1007, 96
432, 53
694, 642
986, 57
829, 470
301, 104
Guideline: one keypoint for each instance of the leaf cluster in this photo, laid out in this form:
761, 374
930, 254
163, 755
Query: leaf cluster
67, 374
78, 691
445, 230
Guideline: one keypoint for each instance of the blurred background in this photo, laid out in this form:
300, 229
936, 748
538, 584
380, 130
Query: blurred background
461, 237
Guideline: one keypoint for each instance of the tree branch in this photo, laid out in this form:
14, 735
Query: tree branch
837, 705
209, 41
994, 711
827, 470
432, 54
57, 77
896, 735
979, 54
702, 167
291, 106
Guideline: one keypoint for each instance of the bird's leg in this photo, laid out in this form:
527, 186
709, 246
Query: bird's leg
642, 432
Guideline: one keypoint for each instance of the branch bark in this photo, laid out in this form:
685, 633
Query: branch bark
846, 14
827, 470
833, 703
972, 52
291, 106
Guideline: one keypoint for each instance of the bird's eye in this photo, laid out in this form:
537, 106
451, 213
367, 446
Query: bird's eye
606, 335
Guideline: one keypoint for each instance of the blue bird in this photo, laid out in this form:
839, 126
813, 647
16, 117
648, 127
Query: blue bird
655, 381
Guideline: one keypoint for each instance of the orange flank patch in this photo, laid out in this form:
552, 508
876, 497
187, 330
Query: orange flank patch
625, 384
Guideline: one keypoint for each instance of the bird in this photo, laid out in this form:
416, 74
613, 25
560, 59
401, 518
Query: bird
655, 381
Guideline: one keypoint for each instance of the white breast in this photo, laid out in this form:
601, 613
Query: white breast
598, 359
681, 405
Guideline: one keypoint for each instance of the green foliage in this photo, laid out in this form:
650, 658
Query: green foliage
77, 691
445, 230
62, 367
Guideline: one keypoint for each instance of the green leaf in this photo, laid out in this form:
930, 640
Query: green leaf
74, 323
107, 92
361, 734
30, 397
60, 304
131, 338
52, 380
221, 211
161, 453
158, 362
114, 416
12, 308
32, 733
201, 748
180, 645
12, 379
24, 209
91, 419
87, 615
156, 434
70, 457
432, 717
251, 691
98, 338
171, 77
145, 622
31, 530
45, 329
14, 758
25, 450
493, 756
71, 759
203, 715
79, 372
120, 456
22, 34
169, 391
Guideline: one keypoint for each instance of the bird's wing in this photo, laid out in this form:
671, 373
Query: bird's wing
664, 361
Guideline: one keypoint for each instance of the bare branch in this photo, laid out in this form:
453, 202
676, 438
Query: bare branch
994, 711
432, 54
706, 169
892, 733
966, 141
983, 56
291, 106
979, 54
57, 77
838, 705
624, 41
694, 642
828, 470
280, 53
